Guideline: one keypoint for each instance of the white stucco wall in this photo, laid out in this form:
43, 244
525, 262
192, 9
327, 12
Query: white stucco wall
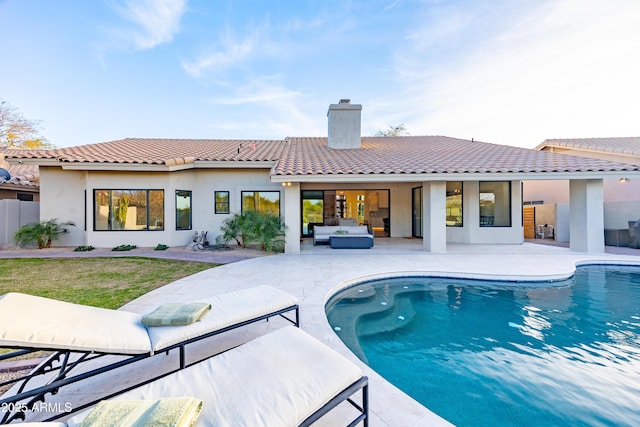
621, 201
63, 197
471, 232
618, 214
557, 191
586, 214
232, 180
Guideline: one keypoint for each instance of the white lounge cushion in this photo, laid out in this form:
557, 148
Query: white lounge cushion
30, 321
278, 379
226, 310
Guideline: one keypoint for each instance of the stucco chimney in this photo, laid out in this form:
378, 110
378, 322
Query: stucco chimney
344, 124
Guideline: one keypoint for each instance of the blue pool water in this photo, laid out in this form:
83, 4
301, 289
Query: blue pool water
499, 353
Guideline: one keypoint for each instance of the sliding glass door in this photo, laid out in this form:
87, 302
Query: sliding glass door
354, 207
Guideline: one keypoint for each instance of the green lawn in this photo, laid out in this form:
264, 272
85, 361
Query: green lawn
100, 282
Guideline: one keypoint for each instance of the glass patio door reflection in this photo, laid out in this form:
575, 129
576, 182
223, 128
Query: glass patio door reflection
416, 212
312, 211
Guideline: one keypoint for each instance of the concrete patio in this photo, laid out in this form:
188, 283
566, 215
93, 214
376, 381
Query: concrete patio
319, 271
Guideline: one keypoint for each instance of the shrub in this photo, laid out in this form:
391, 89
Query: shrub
42, 233
124, 248
84, 249
253, 227
267, 229
161, 247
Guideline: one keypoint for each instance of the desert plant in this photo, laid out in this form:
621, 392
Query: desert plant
252, 227
267, 229
42, 233
124, 248
231, 229
121, 211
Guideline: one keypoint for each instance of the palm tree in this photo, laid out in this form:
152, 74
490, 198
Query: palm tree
42, 233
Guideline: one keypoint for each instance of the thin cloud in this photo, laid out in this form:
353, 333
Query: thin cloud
231, 52
562, 69
151, 22
275, 111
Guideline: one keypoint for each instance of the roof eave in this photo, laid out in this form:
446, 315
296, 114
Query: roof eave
32, 161
422, 177
235, 164
568, 148
124, 167
158, 167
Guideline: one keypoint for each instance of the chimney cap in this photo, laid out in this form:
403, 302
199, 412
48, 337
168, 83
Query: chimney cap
345, 101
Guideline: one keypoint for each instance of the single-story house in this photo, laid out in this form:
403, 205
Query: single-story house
150, 191
549, 200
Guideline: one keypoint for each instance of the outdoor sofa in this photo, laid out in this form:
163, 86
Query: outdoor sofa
79, 334
351, 236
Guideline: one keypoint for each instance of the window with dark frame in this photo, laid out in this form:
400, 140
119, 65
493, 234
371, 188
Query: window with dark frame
261, 201
454, 204
495, 203
183, 210
25, 197
128, 210
221, 202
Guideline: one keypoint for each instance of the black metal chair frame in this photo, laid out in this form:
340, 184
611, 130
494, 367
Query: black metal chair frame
345, 395
64, 362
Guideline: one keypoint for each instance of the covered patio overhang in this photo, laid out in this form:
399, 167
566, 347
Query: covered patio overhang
586, 206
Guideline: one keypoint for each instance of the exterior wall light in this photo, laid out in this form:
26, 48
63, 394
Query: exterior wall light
624, 180
286, 184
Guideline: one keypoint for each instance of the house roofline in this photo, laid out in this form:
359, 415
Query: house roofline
540, 176
148, 167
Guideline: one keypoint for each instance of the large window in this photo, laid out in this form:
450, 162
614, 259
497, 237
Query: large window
261, 201
128, 210
454, 204
221, 202
183, 210
495, 204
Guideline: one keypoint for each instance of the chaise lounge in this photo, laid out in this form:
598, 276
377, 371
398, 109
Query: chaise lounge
283, 378
79, 334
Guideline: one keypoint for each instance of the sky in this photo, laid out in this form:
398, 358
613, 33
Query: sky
512, 72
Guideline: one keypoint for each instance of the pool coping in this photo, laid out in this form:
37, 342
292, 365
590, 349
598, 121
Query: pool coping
315, 277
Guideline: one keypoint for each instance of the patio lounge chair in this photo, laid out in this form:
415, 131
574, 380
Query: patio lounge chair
79, 334
283, 378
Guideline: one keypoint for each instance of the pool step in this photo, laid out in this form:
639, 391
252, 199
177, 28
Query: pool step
398, 314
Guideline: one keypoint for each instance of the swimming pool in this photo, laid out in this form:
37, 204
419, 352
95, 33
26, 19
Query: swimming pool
499, 353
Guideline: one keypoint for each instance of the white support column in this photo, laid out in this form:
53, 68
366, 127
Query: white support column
292, 218
586, 213
434, 216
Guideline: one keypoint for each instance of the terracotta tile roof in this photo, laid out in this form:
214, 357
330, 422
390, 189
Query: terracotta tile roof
164, 151
626, 146
311, 156
427, 154
22, 175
